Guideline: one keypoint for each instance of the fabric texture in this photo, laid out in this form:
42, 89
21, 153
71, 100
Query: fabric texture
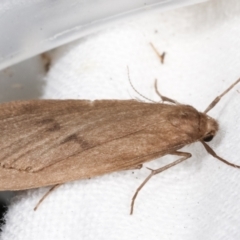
198, 199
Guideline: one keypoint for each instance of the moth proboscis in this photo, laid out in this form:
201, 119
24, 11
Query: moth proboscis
50, 142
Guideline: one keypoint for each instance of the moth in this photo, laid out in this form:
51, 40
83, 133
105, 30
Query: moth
51, 142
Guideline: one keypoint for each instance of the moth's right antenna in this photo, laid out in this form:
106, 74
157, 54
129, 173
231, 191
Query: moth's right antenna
210, 151
218, 98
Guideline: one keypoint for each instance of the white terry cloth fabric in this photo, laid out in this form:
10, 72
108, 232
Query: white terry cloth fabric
198, 199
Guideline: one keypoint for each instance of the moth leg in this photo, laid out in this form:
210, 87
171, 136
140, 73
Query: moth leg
46, 194
184, 156
164, 98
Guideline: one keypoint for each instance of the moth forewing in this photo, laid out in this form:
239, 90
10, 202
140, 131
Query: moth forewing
74, 139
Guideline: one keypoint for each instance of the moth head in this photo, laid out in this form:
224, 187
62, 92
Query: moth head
210, 129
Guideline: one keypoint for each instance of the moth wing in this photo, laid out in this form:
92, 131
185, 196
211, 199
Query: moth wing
58, 141
38, 134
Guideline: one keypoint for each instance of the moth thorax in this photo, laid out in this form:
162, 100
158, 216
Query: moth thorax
210, 128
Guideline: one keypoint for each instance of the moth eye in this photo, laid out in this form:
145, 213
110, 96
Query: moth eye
208, 138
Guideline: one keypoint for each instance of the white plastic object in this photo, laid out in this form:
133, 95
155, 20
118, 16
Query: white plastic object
31, 27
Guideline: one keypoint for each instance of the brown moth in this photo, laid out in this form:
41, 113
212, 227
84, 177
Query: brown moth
50, 142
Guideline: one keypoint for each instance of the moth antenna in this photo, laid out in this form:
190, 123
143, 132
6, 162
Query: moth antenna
161, 56
136, 89
218, 98
46, 194
211, 152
